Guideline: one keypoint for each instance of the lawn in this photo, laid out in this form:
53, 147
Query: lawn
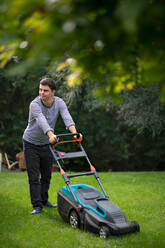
141, 196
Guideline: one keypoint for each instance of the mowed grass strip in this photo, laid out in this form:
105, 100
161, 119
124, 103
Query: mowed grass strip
141, 196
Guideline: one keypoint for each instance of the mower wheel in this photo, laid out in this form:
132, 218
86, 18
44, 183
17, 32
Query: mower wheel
104, 232
74, 219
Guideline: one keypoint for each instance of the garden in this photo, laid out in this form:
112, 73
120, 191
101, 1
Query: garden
107, 59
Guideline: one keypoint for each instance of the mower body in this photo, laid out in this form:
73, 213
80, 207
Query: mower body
83, 205
96, 211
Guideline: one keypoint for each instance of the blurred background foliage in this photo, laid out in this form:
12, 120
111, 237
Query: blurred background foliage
120, 42
107, 58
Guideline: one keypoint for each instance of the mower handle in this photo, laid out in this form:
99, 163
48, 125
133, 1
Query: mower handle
67, 141
68, 134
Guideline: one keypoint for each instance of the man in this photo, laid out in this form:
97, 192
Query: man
43, 114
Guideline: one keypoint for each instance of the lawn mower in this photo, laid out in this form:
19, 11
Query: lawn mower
84, 206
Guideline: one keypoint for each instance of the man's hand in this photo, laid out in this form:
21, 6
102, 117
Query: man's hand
80, 137
72, 129
52, 137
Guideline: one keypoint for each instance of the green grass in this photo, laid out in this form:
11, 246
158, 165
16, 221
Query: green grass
140, 195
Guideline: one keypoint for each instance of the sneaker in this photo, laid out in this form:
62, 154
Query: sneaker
36, 210
50, 205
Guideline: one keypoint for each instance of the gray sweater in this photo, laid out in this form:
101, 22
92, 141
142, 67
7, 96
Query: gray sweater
42, 119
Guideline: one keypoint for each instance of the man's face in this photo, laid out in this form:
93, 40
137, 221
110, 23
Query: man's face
46, 93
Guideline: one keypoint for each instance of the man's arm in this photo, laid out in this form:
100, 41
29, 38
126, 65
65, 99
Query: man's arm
69, 123
36, 113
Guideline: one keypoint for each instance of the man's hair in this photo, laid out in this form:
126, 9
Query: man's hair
50, 82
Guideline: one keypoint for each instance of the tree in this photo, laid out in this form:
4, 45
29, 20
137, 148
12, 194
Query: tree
118, 42
142, 109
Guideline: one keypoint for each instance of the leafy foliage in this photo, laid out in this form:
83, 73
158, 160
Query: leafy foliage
117, 42
141, 108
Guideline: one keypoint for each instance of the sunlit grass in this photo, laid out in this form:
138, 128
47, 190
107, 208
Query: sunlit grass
141, 196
